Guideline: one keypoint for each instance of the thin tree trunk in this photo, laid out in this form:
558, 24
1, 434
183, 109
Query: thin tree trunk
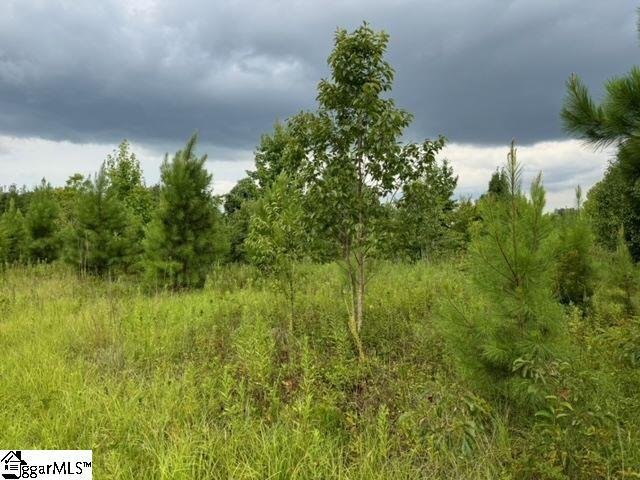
359, 297
357, 340
355, 304
291, 298
352, 277
361, 289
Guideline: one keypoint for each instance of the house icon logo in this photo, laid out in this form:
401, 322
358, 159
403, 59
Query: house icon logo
11, 464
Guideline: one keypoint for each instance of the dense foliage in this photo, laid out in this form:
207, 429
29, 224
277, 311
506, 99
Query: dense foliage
101, 237
425, 214
238, 208
606, 206
13, 235
42, 224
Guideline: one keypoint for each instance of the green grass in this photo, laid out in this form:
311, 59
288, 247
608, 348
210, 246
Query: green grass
211, 384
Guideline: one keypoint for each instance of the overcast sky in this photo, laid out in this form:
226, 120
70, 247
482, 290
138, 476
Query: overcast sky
78, 77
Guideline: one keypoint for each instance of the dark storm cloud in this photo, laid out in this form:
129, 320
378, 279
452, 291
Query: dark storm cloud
154, 71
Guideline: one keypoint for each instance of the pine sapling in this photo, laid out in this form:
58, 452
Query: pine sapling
507, 339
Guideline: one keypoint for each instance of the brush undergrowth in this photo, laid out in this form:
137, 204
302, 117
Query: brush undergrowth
212, 384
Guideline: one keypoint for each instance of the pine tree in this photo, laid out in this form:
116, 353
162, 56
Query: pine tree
19, 195
43, 239
100, 238
13, 235
575, 271
509, 335
613, 122
185, 235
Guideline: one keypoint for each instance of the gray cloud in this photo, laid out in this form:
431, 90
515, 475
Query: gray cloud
155, 71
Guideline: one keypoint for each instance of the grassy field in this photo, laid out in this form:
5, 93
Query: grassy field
212, 384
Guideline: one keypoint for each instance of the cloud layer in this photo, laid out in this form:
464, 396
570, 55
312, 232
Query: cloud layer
156, 70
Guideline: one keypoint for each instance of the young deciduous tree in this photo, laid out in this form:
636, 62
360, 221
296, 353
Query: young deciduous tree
42, 218
238, 207
356, 158
509, 335
425, 212
607, 206
464, 216
125, 179
185, 235
281, 152
244, 191
277, 239
13, 235
499, 183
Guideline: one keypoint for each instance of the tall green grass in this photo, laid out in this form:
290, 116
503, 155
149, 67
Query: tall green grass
212, 384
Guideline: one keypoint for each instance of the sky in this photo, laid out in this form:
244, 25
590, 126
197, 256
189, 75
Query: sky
78, 77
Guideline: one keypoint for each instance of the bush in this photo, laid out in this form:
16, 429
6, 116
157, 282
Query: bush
277, 236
